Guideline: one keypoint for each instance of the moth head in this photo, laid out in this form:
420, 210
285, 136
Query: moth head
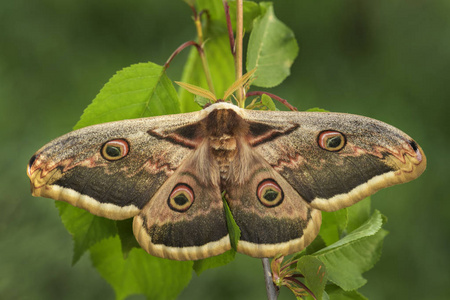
181, 198
269, 193
331, 140
115, 149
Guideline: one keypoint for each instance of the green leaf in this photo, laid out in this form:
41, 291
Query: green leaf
251, 12
221, 66
86, 229
214, 261
141, 90
272, 49
268, 102
358, 214
333, 225
140, 273
233, 229
356, 253
370, 227
317, 109
127, 239
136, 91
201, 101
336, 293
227, 257
315, 246
214, 8
315, 274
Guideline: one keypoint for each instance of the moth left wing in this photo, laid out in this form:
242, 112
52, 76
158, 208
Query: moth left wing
334, 160
113, 169
185, 219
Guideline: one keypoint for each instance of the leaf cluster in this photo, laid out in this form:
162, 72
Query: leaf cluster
350, 240
349, 244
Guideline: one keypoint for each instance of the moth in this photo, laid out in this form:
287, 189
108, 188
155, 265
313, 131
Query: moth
277, 172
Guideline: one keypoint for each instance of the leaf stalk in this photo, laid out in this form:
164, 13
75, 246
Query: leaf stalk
198, 26
181, 48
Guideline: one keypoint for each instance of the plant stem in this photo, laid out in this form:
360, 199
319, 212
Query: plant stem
272, 290
198, 26
238, 49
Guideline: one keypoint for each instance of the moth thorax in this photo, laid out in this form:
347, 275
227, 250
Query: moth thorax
223, 142
224, 151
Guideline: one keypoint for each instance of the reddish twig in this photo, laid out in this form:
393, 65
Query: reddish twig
288, 264
208, 16
298, 282
283, 101
194, 11
229, 26
297, 275
181, 48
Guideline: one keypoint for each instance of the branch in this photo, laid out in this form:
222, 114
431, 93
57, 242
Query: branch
271, 288
238, 48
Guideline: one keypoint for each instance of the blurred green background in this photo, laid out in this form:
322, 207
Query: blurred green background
387, 59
